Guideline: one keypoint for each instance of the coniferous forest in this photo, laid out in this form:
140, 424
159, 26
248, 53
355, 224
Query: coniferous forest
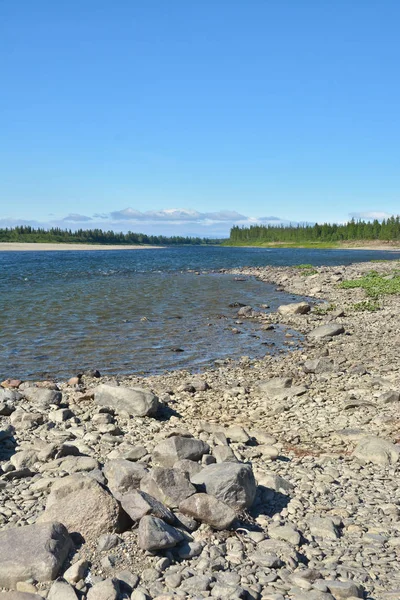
386, 230
94, 236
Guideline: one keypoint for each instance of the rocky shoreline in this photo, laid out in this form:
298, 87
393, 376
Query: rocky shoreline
267, 479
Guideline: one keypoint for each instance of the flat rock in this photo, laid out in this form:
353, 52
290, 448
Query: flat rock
32, 552
104, 590
208, 509
83, 505
42, 396
22, 420
22, 596
155, 534
295, 308
232, 483
377, 451
136, 402
319, 365
175, 448
325, 331
323, 527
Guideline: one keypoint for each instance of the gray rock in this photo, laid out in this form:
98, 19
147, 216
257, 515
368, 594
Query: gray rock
208, 509
325, 331
155, 534
169, 451
323, 527
123, 476
25, 459
137, 504
83, 505
319, 365
344, 589
188, 466
275, 387
76, 571
168, 486
43, 396
232, 483
377, 451
296, 308
286, 533
237, 434
32, 552
224, 454
61, 590
22, 420
7, 395
275, 482
107, 541
136, 401
391, 396
104, 590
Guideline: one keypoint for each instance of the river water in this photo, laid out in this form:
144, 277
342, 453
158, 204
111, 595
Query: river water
129, 311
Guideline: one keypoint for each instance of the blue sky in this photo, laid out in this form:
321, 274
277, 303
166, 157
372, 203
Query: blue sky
113, 114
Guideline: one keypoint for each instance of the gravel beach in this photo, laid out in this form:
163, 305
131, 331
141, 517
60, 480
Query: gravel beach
267, 479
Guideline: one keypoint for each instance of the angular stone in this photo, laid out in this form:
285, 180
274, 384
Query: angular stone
319, 365
208, 509
275, 387
32, 552
169, 451
188, 466
123, 476
325, 331
155, 534
237, 434
76, 571
287, 533
42, 396
296, 308
377, 451
23, 420
168, 486
224, 454
323, 527
137, 504
232, 483
83, 505
61, 590
390, 396
137, 402
25, 459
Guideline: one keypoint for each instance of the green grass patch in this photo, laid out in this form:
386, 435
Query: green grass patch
375, 284
323, 309
366, 306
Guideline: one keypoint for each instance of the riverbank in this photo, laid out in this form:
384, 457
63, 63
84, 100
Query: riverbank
347, 245
318, 425
44, 247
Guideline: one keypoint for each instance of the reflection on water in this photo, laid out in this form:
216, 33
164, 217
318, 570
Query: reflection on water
125, 312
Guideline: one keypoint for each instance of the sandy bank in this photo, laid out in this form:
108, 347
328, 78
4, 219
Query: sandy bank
31, 247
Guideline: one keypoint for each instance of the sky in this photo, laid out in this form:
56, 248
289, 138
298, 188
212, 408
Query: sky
188, 116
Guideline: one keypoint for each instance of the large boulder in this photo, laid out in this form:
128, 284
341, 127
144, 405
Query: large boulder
326, 331
208, 509
123, 476
32, 552
43, 396
137, 402
232, 483
169, 486
22, 420
296, 308
373, 449
23, 596
155, 534
83, 505
137, 504
175, 448
104, 590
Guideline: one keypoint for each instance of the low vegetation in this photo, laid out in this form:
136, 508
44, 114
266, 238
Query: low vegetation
375, 284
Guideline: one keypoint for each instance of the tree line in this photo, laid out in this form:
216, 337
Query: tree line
95, 236
388, 229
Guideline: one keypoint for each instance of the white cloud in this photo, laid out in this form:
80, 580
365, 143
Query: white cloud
76, 218
370, 215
